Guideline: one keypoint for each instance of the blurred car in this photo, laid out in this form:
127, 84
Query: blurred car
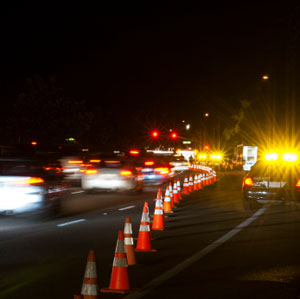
30, 185
271, 181
111, 173
179, 163
154, 169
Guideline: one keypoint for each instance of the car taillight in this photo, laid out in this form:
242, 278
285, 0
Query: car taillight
30, 181
126, 172
298, 183
149, 163
91, 171
162, 170
75, 162
248, 182
95, 161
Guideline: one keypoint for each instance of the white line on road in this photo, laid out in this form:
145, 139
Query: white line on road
71, 222
77, 192
194, 258
126, 208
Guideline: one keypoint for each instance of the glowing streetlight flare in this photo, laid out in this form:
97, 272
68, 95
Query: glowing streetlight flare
265, 77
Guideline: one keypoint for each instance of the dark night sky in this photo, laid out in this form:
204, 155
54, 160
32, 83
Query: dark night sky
147, 57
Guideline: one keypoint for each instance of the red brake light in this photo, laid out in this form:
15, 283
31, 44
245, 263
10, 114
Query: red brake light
162, 170
91, 171
298, 183
248, 181
149, 163
134, 152
30, 181
34, 181
126, 172
95, 161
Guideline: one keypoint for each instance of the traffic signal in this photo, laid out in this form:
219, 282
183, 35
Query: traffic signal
206, 147
174, 135
155, 134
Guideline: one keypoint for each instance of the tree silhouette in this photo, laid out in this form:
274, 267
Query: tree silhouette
45, 113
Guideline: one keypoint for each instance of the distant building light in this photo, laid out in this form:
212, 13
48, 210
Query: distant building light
186, 142
206, 114
33, 143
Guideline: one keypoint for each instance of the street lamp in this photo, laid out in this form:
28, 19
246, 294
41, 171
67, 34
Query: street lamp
265, 77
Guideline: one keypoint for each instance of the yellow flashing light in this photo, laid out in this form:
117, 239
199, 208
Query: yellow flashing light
271, 156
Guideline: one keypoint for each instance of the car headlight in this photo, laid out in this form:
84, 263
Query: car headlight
290, 157
271, 156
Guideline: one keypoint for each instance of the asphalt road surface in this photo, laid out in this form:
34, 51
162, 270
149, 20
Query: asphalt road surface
212, 247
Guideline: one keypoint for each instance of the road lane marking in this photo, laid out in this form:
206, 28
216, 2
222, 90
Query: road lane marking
126, 208
77, 192
71, 222
194, 258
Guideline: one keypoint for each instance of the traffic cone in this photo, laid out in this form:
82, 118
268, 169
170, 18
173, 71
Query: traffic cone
211, 181
215, 177
159, 198
167, 202
191, 185
175, 192
144, 238
204, 180
158, 219
148, 217
179, 189
89, 288
171, 195
119, 280
185, 186
128, 241
195, 182
200, 181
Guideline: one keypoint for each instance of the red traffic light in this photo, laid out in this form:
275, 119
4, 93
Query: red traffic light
155, 134
134, 152
174, 135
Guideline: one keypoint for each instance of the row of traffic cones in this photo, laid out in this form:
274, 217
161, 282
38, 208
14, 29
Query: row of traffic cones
125, 251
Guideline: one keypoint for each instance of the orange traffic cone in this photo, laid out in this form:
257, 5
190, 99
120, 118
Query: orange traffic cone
204, 180
119, 281
128, 241
148, 217
191, 184
195, 182
175, 193
167, 202
185, 186
158, 220
179, 189
89, 288
171, 195
200, 181
215, 177
144, 238
159, 197
211, 178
